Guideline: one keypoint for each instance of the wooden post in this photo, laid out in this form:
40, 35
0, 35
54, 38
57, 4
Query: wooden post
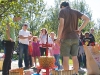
62, 72
47, 46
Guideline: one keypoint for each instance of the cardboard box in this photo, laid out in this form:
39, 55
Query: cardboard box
17, 71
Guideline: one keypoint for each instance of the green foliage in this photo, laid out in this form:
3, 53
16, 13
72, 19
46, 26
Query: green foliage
97, 36
34, 13
84, 8
52, 22
97, 31
30, 11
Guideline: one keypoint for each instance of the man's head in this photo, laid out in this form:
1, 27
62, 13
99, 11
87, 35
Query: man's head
64, 4
52, 35
25, 26
87, 34
91, 30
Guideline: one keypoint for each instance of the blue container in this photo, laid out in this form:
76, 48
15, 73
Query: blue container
35, 74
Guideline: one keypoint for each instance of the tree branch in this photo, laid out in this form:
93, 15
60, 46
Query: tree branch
5, 10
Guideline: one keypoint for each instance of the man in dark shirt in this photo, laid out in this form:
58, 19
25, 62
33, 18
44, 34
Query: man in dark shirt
67, 34
91, 34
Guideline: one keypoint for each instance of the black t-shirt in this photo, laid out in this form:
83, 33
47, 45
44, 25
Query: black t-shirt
88, 41
91, 35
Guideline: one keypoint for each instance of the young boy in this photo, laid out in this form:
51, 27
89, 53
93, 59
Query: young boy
88, 40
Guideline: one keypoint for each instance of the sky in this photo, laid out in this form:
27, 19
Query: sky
94, 6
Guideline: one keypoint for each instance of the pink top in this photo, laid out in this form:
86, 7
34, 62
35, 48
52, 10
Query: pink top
56, 49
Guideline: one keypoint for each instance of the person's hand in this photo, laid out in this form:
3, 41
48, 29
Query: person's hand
81, 51
58, 41
11, 39
77, 31
29, 37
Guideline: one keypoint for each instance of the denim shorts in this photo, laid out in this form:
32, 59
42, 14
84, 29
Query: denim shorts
69, 47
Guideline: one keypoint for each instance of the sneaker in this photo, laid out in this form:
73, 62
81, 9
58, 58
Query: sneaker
61, 67
84, 66
34, 69
81, 71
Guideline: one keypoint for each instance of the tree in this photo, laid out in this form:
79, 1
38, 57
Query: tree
29, 10
84, 8
52, 23
97, 31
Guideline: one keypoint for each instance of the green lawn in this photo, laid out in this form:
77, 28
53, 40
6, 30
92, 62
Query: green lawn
70, 62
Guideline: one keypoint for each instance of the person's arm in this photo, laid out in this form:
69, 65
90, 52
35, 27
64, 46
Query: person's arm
8, 32
86, 20
92, 43
61, 24
22, 37
32, 45
92, 36
60, 28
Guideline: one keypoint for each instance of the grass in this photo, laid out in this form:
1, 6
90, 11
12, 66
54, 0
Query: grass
1, 51
70, 61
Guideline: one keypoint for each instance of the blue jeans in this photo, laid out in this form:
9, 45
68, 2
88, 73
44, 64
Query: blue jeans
23, 49
57, 63
80, 60
84, 60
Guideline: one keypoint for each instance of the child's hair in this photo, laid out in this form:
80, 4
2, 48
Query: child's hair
44, 29
34, 37
52, 33
87, 33
30, 32
55, 39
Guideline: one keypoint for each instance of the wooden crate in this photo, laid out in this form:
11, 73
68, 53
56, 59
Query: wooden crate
62, 72
1, 64
16, 71
28, 72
